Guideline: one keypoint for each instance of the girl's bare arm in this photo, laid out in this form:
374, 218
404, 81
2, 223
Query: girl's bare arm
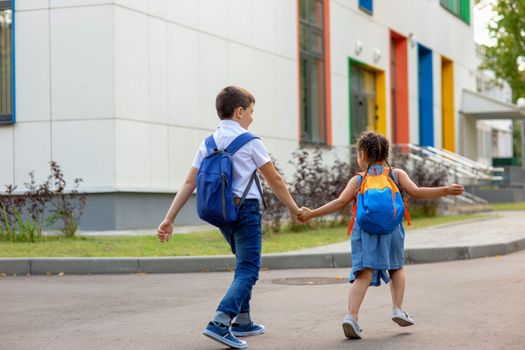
426, 192
337, 204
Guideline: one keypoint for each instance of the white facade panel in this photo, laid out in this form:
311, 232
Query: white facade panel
131, 65
413, 93
86, 149
75, 3
132, 161
137, 5
264, 89
212, 76
32, 152
183, 76
23, 5
33, 98
158, 8
285, 27
82, 62
263, 24
213, 17
158, 67
340, 112
284, 106
6, 157
183, 12
438, 100
182, 145
240, 66
241, 29
159, 157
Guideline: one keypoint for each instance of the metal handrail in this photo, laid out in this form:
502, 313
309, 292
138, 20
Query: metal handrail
456, 164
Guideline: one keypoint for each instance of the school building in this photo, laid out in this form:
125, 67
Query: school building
121, 92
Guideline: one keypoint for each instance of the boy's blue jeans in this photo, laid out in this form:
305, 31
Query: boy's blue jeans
244, 236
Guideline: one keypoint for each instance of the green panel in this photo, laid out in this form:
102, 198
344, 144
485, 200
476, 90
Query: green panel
350, 62
464, 11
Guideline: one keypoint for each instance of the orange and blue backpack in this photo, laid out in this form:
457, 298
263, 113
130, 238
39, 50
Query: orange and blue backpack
379, 206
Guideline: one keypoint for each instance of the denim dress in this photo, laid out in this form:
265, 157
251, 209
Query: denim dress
378, 253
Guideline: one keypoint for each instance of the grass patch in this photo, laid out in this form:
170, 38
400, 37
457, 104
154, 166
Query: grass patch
201, 243
508, 206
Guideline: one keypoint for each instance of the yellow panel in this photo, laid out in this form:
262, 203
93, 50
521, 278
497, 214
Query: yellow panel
447, 93
381, 103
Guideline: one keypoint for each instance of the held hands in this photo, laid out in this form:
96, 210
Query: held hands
305, 215
454, 189
294, 214
164, 231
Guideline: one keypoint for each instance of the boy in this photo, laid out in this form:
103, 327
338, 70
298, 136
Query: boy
235, 108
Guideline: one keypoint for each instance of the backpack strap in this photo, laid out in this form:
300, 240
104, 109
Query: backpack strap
240, 141
360, 177
210, 143
233, 147
393, 176
253, 178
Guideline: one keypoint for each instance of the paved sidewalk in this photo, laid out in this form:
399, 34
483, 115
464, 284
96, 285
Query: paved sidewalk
500, 228
502, 234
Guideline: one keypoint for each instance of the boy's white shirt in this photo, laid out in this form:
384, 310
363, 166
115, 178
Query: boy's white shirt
246, 160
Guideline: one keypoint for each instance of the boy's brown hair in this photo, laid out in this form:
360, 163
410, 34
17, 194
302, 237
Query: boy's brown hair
230, 98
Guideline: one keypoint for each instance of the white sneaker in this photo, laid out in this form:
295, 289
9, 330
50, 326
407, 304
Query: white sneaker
351, 328
402, 318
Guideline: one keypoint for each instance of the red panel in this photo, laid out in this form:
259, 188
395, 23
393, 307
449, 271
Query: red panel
400, 119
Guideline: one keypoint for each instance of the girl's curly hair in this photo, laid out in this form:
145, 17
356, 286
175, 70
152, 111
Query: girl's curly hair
375, 147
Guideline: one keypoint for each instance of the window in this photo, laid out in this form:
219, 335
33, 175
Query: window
367, 6
6, 62
312, 71
460, 8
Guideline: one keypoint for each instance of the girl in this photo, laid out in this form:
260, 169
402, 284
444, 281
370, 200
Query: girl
376, 257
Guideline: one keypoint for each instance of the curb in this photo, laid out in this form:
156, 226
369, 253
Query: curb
39, 266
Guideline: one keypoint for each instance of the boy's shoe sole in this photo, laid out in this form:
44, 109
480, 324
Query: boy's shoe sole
226, 342
248, 334
402, 322
350, 331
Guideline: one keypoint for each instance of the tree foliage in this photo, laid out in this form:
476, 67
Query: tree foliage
507, 57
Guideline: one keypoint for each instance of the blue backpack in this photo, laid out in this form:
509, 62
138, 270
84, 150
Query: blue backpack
379, 206
215, 200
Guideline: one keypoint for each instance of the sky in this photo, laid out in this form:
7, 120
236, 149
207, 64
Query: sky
482, 13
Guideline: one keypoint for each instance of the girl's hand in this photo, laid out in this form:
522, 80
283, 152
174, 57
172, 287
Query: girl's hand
164, 231
454, 189
305, 215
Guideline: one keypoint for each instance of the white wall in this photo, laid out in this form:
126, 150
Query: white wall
170, 63
64, 93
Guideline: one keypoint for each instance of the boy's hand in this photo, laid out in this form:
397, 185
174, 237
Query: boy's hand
294, 213
164, 231
305, 215
454, 189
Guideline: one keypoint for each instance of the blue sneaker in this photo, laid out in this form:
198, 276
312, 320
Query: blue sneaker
246, 330
223, 335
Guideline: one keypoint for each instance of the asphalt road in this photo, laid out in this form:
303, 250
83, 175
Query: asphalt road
469, 304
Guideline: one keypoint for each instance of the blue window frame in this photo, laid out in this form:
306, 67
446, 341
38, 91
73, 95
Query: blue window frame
367, 6
426, 96
7, 62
